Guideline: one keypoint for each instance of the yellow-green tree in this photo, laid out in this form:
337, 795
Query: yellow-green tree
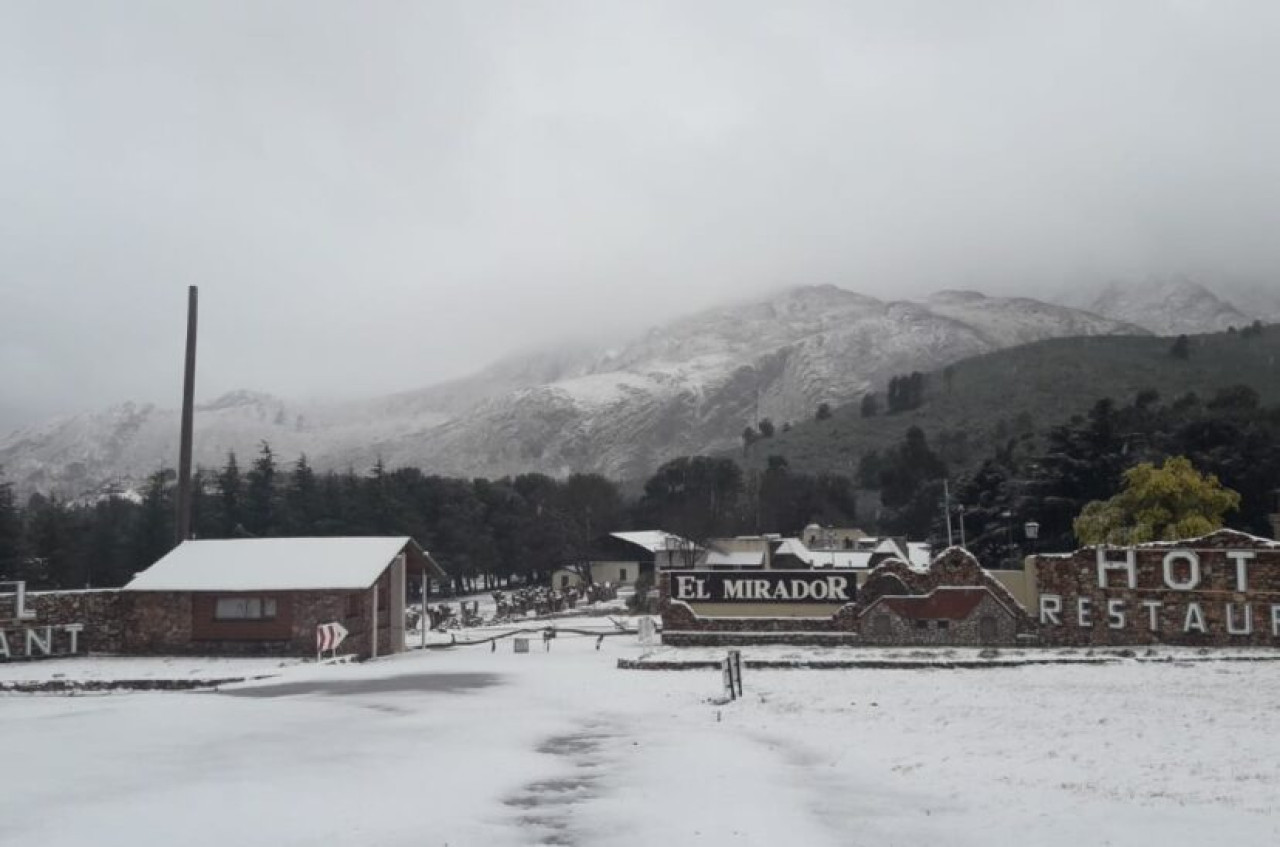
1158, 504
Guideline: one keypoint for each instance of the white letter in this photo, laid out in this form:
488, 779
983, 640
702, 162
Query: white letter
838, 587
1115, 614
1241, 558
74, 630
1193, 579
1195, 618
1129, 565
45, 644
1153, 606
701, 593
1083, 606
20, 604
733, 589
684, 587
1232, 629
1050, 607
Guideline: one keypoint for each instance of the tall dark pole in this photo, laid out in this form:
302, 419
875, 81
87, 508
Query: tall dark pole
188, 411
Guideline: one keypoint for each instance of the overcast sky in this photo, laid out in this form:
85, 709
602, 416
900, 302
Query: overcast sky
375, 196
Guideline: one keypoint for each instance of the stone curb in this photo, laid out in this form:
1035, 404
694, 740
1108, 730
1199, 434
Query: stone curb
72, 686
887, 664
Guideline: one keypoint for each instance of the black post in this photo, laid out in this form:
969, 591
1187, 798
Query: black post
188, 410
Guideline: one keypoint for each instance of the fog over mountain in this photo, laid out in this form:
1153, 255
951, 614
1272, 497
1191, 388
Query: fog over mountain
379, 197
690, 386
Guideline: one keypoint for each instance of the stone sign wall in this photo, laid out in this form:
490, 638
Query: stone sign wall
714, 612
45, 624
1223, 590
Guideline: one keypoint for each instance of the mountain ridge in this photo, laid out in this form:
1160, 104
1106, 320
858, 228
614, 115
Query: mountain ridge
689, 386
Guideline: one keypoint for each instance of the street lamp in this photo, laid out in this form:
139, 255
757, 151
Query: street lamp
1032, 529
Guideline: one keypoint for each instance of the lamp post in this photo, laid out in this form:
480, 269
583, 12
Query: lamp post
1032, 530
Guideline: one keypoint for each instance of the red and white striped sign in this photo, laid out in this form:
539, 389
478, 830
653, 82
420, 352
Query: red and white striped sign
329, 636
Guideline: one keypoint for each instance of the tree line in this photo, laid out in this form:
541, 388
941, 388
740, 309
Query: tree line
484, 532
1050, 476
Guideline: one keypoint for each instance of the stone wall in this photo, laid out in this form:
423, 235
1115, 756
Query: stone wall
161, 623
1076, 609
99, 610
882, 626
955, 568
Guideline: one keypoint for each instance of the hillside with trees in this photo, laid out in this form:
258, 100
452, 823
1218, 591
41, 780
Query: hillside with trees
969, 409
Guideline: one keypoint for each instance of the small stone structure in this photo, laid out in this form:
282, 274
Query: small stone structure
953, 602
945, 616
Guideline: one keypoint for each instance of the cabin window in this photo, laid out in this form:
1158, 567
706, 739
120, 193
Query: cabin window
244, 609
944, 624
922, 624
848, 544
622, 574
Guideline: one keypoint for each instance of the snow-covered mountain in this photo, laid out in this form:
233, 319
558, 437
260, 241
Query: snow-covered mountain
1179, 305
687, 387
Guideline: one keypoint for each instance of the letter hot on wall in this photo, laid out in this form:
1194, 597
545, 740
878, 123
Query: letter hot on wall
1223, 589
762, 587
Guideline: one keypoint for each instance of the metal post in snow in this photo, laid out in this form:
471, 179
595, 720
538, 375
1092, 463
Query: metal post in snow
373, 634
422, 621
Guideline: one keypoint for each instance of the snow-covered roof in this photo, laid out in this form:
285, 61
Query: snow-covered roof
792, 547
735, 559
840, 559
861, 557
921, 554
653, 540
890, 546
278, 564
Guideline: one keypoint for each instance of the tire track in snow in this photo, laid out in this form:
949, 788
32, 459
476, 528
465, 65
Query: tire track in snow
547, 808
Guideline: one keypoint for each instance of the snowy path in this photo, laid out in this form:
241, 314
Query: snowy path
468, 747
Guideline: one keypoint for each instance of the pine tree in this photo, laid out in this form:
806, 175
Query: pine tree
260, 509
152, 534
10, 531
230, 498
302, 504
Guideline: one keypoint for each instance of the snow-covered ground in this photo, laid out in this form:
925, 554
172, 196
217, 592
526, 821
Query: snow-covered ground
471, 747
